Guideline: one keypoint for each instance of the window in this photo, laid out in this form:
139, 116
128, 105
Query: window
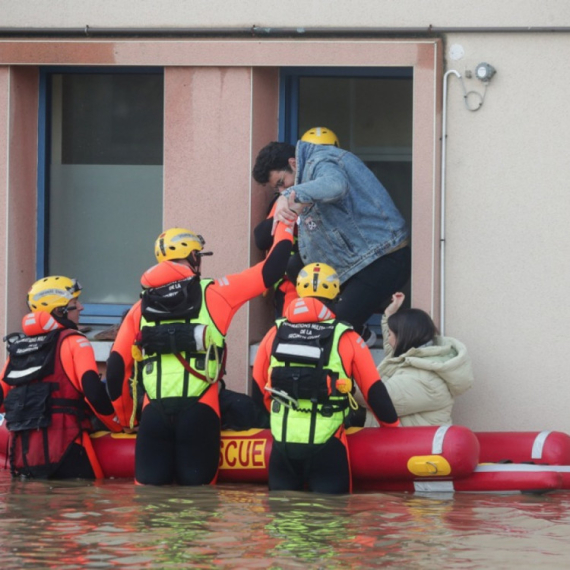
100, 188
370, 110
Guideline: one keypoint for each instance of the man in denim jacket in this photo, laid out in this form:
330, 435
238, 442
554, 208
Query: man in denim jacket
346, 219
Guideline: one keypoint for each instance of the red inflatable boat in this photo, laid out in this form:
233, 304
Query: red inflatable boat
417, 459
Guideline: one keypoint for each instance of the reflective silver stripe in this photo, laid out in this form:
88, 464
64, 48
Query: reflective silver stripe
20, 373
50, 325
437, 443
324, 314
298, 350
434, 487
538, 445
223, 281
521, 467
30, 320
199, 336
300, 309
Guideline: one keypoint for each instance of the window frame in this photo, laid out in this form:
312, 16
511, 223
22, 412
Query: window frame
289, 90
94, 313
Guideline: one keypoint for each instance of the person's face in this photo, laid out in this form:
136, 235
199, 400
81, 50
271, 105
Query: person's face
74, 307
392, 340
279, 180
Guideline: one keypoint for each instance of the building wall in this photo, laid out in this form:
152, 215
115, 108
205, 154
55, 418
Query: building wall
293, 13
506, 271
507, 241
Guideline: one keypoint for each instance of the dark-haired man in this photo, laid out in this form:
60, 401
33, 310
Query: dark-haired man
346, 219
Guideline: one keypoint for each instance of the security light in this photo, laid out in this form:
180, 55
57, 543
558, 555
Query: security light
484, 72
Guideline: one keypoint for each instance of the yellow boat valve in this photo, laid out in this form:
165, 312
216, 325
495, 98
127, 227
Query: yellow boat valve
429, 466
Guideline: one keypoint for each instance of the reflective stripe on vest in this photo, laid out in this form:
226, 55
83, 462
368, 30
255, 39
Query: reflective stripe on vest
307, 424
164, 376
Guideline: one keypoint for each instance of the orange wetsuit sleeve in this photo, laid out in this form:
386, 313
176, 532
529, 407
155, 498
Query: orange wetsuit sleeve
120, 365
358, 362
261, 370
227, 294
78, 361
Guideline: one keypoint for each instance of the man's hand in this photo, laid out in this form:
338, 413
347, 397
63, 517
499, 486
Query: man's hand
286, 211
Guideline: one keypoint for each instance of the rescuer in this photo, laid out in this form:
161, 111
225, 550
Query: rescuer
304, 372
49, 385
172, 342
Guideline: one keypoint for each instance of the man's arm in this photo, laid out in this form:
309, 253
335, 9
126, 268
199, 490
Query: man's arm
357, 359
227, 294
78, 360
329, 184
120, 366
261, 370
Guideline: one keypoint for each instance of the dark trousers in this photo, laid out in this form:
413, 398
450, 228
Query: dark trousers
322, 470
370, 290
76, 465
182, 448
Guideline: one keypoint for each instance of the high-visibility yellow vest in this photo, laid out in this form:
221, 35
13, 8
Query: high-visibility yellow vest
315, 416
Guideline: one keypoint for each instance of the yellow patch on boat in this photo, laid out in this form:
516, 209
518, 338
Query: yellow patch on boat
429, 466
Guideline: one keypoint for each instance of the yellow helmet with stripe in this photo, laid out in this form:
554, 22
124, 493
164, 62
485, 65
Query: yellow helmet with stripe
52, 292
177, 243
318, 280
320, 135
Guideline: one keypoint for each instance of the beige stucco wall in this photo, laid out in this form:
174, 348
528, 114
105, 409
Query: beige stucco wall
294, 13
508, 276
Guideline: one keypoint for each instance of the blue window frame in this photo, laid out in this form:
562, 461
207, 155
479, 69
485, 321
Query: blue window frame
97, 312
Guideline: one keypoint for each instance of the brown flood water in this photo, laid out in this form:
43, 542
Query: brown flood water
114, 524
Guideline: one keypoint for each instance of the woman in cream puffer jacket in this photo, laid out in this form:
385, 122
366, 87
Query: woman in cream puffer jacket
423, 372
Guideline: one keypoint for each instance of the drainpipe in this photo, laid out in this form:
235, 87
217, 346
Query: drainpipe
442, 203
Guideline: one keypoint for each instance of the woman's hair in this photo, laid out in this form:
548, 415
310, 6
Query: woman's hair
412, 327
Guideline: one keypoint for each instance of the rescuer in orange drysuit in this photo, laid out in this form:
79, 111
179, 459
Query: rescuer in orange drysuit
172, 342
50, 384
303, 373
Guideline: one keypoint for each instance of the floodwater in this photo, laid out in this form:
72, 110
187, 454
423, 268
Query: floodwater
114, 524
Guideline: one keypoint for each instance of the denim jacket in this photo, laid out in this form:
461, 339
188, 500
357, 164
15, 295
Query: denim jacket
351, 220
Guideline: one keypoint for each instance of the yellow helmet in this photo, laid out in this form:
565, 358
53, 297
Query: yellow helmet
52, 292
177, 243
320, 135
318, 280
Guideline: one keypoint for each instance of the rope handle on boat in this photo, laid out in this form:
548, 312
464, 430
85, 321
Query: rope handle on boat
432, 465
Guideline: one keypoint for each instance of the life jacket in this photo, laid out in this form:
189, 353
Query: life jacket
45, 413
182, 352
306, 374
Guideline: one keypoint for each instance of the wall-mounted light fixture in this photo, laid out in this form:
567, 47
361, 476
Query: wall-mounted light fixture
484, 72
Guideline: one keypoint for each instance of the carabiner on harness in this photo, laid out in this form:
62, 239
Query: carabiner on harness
212, 379
283, 398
